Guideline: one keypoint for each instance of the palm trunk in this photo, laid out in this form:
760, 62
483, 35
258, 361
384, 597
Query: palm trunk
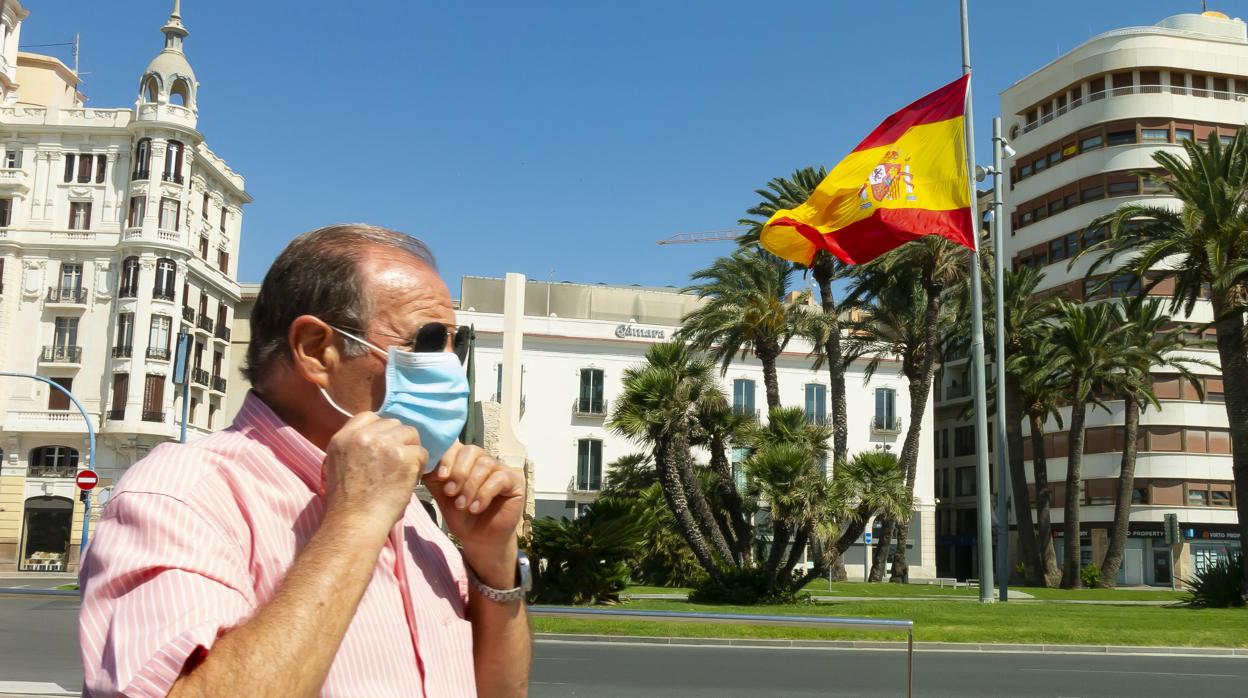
1122, 502
795, 554
737, 528
771, 385
1028, 551
775, 554
682, 460
1234, 359
880, 561
1044, 503
1071, 578
822, 271
674, 494
920, 388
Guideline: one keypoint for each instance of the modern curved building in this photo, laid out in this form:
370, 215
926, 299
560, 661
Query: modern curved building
1083, 126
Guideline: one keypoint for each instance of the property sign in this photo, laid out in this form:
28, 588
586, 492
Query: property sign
86, 479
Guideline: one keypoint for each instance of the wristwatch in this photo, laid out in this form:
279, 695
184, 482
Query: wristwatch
524, 582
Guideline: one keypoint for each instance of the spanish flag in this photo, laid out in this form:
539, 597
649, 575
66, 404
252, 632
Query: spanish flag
906, 180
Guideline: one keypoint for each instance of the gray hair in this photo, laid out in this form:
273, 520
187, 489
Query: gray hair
318, 274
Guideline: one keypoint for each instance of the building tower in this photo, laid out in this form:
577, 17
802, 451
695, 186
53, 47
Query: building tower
119, 228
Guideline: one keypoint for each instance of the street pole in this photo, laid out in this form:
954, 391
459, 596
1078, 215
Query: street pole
86, 501
998, 285
984, 528
183, 366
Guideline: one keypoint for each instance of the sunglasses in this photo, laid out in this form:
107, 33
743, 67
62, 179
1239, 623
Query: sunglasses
431, 337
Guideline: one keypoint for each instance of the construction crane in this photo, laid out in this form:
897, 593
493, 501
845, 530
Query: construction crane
704, 236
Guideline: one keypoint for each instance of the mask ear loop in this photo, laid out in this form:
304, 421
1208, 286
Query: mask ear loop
365, 342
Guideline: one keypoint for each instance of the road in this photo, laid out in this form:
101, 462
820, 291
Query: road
38, 643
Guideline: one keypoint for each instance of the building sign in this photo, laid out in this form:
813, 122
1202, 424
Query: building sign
623, 331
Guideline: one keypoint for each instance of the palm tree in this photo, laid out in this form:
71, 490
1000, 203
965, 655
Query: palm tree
905, 294
1152, 346
719, 428
658, 408
629, 475
872, 483
1203, 247
781, 194
1089, 339
747, 309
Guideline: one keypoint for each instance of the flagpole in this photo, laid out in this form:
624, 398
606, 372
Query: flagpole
978, 384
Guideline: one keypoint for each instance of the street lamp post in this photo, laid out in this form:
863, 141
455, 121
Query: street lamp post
86, 501
999, 145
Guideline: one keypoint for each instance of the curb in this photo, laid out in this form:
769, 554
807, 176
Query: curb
39, 592
885, 645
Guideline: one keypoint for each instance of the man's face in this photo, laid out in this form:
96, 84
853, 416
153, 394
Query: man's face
404, 295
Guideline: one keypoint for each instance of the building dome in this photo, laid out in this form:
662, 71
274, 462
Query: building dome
169, 78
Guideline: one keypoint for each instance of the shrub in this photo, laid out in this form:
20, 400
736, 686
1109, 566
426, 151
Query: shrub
1091, 576
585, 561
1218, 585
744, 587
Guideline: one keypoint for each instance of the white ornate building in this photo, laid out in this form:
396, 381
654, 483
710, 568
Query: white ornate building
119, 228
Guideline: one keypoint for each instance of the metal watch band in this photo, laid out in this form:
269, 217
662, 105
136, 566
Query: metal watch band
516, 593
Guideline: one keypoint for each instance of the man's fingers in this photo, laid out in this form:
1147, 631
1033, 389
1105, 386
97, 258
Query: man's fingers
482, 468
502, 482
458, 469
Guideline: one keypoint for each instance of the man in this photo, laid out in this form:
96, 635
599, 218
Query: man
287, 555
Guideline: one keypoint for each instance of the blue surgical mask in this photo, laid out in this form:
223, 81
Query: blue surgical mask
424, 390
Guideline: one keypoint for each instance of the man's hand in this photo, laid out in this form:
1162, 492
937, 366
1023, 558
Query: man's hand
372, 466
482, 501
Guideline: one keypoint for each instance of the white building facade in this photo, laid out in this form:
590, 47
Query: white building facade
577, 341
1083, 126
119, 229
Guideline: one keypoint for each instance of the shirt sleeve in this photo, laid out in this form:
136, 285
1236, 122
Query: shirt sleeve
159, 585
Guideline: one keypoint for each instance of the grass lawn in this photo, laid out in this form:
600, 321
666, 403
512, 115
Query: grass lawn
885, 590
67, 587
951, 621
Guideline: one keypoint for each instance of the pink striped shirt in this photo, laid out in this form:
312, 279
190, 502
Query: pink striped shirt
197, 537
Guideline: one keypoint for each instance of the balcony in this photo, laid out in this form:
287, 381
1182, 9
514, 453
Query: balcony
199, 376
218, 384
162, 294
205, 323
153, 416
14, 180
223, 333
158, 353
116, 415
586, 407
64, 421
141, 175
128, 292
175, 177
122, 352
580, 485
882, 426
188, 315
61, 355
954, 391
52, 471
1115, 92
67, 296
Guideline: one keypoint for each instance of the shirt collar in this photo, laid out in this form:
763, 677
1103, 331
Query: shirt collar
259, 422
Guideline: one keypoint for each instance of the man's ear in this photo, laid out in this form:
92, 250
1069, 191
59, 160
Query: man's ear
314, 351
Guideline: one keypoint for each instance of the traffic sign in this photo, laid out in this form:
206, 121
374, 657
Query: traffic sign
866, 537
86, 479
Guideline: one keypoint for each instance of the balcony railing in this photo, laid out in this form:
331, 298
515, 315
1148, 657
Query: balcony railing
162, 294
204, 323
588, 407
46, 421
223, 332
158, 353
153, 416
52, 471
77, 296
117, 414
61, 355
955, 391
141, 175
199, 376
1133, 90
881, 425
175, 177
122, 352
128, 292
188, 315
581, 484
218, 384
736, 409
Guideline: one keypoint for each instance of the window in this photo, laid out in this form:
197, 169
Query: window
1139, 495
591, 399
6, 212
65, 339
71, 279
173, 162
738, 467
154, 398
58, 400
816, 403
1096, 87
169, 213
101, 165
203, 212
1056, 206
1024, 171
589, 465
129, 278
1055, 157
1183, 134
80, 215
1092, 193
223, 260
1155, 135
143, 158
203, 247
944, 443
966, 482
1122, 137
1225, 139
138, 209
53, 461
1215, 390
1220, 498
743, 396
217, 357
1057, 249
125, 335
1072, 244
1040, 165
1091, 143
223, 317
1095, 235
166, 277
224, 218
964, 441
159, 337
1125, 285
121, 393
12, 159
1071, 200
1124, 188
1197, 498
885, 408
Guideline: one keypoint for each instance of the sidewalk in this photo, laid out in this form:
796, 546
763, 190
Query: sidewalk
1021, 597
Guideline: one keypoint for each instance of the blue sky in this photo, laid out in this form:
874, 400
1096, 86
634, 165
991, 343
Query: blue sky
555, 138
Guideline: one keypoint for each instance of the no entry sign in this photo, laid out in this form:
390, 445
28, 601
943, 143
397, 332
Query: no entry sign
86, 479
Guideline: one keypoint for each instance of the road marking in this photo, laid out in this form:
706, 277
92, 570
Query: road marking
1145, 673
20, 586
